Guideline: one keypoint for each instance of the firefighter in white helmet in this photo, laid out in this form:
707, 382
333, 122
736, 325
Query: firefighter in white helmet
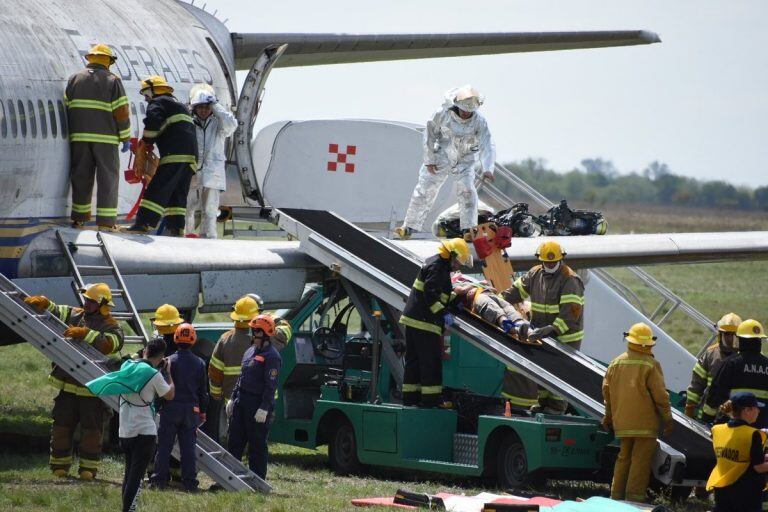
457, 142
213, 124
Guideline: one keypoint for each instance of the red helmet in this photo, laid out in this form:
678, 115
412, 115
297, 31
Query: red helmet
185, 334
264, 322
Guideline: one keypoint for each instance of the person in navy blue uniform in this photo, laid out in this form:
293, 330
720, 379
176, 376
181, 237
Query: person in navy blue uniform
182, 415
254, 396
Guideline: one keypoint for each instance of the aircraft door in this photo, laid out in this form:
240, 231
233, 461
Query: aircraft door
248, 107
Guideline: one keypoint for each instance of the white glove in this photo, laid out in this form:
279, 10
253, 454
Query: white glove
230, 408
211, 99
260, 416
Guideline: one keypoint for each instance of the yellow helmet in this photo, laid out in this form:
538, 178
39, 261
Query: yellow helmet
244, 309
729, 323
640, 334
98, 292
167, 315
156, 84
550, 251
456, 247
101, 49
750, 329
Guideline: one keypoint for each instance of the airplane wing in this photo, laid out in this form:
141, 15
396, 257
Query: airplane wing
317, 49
627, 250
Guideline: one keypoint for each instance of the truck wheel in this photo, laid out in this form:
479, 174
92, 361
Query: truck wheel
342, 450
512, 464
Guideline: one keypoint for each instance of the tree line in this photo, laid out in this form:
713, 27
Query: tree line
598, 182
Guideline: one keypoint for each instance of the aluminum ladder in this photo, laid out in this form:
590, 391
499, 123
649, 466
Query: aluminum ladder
45, 332
79, 271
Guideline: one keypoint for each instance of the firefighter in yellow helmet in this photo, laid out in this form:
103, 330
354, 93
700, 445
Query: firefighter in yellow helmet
169, 124
98, 120
92, 324
425, 317
165, 322
710, 361
738, 478
636, 401
556, 294
745, 371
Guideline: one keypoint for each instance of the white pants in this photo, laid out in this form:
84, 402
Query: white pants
207, 200
426, 191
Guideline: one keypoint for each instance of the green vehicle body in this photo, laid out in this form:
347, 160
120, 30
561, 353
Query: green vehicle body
312, 408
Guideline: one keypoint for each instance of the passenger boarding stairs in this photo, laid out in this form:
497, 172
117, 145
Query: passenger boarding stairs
612, 305
46, 333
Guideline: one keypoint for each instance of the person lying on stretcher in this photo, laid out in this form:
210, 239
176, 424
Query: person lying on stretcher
481, 299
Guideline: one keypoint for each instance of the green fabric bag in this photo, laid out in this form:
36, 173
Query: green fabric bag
132, 376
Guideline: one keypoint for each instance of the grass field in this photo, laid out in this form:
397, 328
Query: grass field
301, 477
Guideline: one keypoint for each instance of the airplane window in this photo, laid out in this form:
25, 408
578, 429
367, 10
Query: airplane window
22, 119
43, 120
52, 117
32, 118
3, 120
12, 113
143, 109
62, 119
135, 119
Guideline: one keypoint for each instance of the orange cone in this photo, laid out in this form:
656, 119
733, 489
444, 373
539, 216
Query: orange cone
507, 409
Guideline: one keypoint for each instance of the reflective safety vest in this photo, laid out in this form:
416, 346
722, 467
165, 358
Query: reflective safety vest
169, 124
97, 107
430, 294
732, 450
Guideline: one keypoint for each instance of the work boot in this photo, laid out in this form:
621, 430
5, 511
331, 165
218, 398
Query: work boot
109, 229
60, 473
86, 475
141, 229
77, 224
404, 232
174, 232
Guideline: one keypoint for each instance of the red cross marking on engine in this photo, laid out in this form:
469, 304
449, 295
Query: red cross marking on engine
341, 157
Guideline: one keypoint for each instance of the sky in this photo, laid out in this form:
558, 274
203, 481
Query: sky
697, 101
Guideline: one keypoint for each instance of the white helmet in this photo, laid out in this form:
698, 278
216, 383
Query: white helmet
201, 94
466, 98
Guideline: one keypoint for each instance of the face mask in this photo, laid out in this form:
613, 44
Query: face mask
553, 269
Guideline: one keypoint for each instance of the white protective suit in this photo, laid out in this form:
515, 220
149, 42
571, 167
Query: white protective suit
460, 147
210, 178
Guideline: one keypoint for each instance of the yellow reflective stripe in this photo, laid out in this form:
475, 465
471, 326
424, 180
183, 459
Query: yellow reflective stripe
560, 324
150, 134
411, 388
215, 390
231, 370
418, 285
419, 324
56, 461
570, 338
81, 208
119, 102
68, 387
124, 134
635, 433
709, 411
175, 210
91, 336
759, 393
452, 297
179, 159
437, 306
519, 285
520, 401
444, 297
431, 390
286, 330
106, 212
152, 206
545, 308
93, 137
114, 338
571, 299
632, 362
692, 397
92, 104
89, 463
176, 118
700, 371
217, 363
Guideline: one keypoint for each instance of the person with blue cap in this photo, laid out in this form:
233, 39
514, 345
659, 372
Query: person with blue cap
739, 475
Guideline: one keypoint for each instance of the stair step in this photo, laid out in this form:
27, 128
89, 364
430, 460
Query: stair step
94, 267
